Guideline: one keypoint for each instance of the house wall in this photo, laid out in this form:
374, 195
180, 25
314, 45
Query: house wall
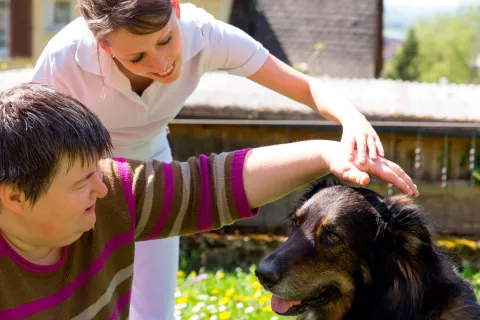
43, 29
220, 9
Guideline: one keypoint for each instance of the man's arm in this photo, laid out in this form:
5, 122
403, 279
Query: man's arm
207, 193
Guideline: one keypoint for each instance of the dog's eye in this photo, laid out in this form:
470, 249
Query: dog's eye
330, 238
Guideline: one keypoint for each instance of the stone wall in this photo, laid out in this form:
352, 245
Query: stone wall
214, 251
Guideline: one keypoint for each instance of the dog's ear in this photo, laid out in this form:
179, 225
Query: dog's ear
410, 246
408, 228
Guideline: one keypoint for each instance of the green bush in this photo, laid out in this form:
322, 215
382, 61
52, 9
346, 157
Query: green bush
475, 279
238, 295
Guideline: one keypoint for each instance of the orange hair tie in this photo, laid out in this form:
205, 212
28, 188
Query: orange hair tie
176, 5
105, 48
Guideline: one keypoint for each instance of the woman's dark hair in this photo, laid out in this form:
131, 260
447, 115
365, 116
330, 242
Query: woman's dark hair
39, 127
135, 16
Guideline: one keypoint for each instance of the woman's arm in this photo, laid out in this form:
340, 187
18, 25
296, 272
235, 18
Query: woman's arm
324, 100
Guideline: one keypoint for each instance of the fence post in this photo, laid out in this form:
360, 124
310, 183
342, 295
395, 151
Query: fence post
471, 158
418, 155
445, 162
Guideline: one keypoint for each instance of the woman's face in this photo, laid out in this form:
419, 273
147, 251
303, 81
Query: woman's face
157, 56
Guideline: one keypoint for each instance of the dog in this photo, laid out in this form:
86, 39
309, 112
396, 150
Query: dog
353, 254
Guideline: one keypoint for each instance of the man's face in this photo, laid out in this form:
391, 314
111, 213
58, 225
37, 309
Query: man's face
67, 210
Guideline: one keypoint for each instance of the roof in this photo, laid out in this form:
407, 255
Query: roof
220, 95
290, 30
376, 98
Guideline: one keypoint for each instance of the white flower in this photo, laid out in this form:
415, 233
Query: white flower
180, 306
194, 317
211, 308
196, 309
274, 318
240, 305
200, 304
203, 297
213, 317
178, 294
222, 308
249, 310
213, 298
258, 294
177, 313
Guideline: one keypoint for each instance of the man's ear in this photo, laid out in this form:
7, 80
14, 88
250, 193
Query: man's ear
176, 5
105, 48
12, 199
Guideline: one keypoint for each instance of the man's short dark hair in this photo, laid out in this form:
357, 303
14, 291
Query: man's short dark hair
39, 126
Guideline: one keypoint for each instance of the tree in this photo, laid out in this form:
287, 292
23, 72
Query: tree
405, 63
447, 46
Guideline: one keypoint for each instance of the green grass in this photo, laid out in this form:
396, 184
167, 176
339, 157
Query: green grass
475, 279
238, 295
221, 296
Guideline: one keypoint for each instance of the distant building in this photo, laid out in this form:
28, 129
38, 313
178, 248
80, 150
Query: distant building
339, 38
26, 26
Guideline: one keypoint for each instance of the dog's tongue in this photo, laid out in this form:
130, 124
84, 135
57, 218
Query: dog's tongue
280, 305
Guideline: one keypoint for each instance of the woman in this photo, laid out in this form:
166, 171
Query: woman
135, 62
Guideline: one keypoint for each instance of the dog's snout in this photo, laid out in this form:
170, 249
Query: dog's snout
268, 275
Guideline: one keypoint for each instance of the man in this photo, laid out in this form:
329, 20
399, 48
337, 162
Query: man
63, 254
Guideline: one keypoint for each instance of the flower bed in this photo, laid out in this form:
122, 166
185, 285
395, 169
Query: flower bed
235, 295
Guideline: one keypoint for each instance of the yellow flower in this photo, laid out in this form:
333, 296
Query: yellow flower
215, 291
267, 308
254, 298
224, 315
224, 301
263, 300
256, 285
237, 298
220, 275
182, 300
180, 274
229, 292
193, 274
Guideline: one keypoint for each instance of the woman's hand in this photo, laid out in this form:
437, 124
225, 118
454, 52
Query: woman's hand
359, 134
357, 172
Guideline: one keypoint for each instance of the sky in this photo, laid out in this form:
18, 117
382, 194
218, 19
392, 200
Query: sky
428, 2
405, 12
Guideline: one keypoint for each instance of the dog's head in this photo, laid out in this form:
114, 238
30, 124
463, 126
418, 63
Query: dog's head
342, 237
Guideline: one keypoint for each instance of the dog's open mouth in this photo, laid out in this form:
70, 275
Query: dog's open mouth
293, 307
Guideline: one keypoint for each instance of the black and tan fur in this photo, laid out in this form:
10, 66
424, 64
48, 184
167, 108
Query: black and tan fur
353, 254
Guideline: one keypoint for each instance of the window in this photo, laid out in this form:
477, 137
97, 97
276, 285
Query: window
57, 14
61, 12
4, 28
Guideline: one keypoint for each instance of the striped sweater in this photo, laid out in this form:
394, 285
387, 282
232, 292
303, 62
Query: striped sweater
146, 200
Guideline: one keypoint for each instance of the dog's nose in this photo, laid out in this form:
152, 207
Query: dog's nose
268, 275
